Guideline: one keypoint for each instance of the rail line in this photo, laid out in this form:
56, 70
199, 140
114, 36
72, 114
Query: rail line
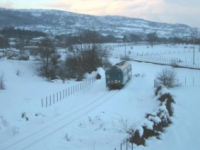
31, 139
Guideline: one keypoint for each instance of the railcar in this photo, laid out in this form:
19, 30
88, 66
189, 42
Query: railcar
118, 75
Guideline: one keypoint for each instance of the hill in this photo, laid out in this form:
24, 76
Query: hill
60, 22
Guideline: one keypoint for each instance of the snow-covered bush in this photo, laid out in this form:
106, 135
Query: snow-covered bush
158, 89
98, 76
155, 122
137, 138
167, 100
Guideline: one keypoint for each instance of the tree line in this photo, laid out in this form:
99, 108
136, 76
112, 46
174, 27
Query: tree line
24, 38
80, 59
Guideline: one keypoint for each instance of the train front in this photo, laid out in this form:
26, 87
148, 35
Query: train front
114, 78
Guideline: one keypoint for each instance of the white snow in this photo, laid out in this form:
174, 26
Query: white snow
94, 118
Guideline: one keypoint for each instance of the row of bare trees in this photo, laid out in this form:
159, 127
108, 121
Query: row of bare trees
81, 58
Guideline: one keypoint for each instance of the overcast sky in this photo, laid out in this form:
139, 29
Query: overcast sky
167, 11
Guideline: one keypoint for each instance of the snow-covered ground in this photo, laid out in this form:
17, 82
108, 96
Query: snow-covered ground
183, 55
93, 118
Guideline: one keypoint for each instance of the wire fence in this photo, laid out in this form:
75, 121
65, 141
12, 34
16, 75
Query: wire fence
61, 95
187, 81
163, 60
163, 52
172, 61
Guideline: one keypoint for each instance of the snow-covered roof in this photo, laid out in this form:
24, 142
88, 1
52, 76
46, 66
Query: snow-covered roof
122, 65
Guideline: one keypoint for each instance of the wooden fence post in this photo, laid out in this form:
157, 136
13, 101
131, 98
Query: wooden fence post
42, 102
53, 98
46, 102
193, 81
185, 81
50, 100
126, 144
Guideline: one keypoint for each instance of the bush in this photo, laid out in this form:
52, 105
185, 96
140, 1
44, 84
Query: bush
156, 122
169, 100
137, 139
98, 76
167, 78
149, 133
84, 60
158, 89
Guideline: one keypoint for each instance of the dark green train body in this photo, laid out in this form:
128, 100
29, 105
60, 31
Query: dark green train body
118, 75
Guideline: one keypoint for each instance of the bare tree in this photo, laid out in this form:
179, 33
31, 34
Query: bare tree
152, 38
85, 58
167, 78
49, 58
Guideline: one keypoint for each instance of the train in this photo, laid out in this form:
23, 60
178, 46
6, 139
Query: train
118, 75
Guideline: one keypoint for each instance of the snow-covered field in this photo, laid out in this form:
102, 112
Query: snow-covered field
183, 55
94, 118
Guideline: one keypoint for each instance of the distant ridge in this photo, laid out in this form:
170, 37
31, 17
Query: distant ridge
63, 22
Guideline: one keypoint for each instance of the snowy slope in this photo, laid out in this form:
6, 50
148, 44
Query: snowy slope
59, 22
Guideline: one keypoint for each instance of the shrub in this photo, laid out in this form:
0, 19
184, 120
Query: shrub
149, 133
169, 100
156, 122
98, 76
84, 60
137, 139
158, 89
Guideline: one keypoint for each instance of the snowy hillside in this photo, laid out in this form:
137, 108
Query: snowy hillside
89, 115
59, 22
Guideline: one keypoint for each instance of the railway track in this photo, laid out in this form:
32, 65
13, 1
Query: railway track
26, 141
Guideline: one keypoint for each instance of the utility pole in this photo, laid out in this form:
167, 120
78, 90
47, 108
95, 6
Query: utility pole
194, 40
124, 40
194, 51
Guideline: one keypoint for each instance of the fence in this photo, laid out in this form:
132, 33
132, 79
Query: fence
59, 96
125, 145
163, 60
189, 81
176, 62
186, 81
